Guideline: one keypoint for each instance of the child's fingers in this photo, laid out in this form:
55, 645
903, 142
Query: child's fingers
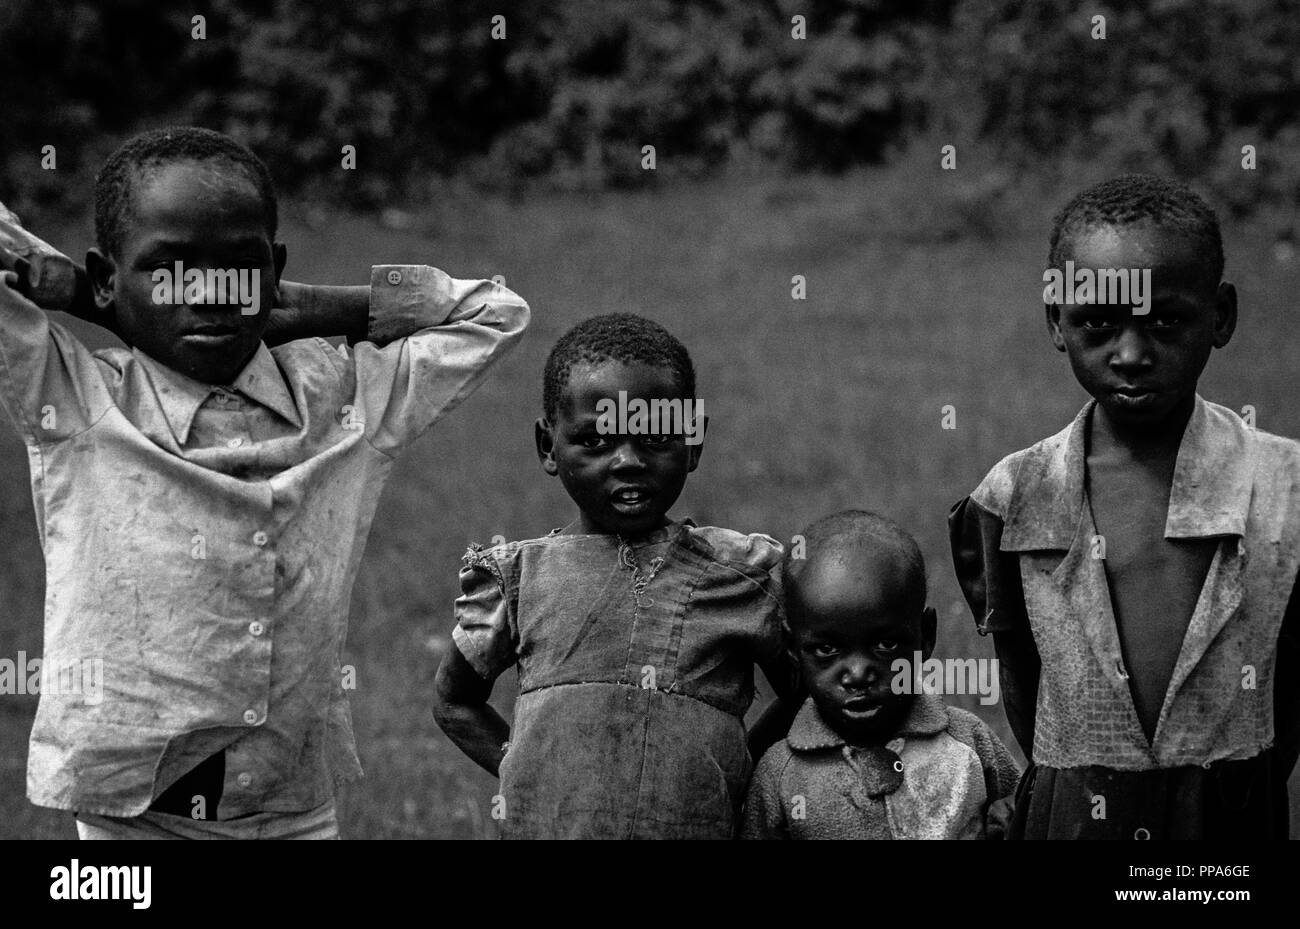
11, 261
13, 241
14, 281
45, 274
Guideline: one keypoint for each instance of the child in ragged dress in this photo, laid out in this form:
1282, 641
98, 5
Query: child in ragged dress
634, 634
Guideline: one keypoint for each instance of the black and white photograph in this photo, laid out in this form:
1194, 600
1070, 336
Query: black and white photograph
595, 419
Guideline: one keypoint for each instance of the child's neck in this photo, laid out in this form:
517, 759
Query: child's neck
1140, 441
584, 525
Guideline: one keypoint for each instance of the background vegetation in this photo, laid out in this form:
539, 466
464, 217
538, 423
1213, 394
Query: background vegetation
574, 90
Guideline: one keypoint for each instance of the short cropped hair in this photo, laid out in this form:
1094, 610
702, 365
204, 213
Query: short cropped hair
851, 529
159, 147
622, 337
1132, 198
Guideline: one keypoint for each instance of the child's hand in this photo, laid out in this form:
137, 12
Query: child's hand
46, 276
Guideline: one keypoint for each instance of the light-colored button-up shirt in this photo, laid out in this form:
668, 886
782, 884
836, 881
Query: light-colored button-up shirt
201, 541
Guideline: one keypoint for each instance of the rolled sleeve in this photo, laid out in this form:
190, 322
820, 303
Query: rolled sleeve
430, 340
484, 632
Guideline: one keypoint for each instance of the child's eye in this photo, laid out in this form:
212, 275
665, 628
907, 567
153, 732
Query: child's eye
592, 441
824, 651
1163, 322
657, 439
1095, 323
888, 645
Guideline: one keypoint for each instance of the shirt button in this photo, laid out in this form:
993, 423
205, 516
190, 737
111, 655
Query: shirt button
235, 442
260, 538
250, 716
255, 628
1141, 834
394, 277
244, 779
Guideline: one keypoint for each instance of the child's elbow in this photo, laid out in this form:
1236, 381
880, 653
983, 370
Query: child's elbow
445, 705
444, 713
450, 703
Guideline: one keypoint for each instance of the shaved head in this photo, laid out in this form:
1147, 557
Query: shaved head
855, 550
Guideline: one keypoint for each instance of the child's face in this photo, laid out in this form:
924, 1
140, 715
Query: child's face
206, 215
849, 620
622, 484
1142, 368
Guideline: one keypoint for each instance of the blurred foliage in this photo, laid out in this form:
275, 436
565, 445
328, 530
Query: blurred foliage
424, 91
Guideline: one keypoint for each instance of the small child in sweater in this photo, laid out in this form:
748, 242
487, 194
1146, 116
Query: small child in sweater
866, 758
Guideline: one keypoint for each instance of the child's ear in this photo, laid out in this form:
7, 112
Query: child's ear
1054, 325
280, 255
544, 435
929, 632
102, 272
279, 258
1225, 314
697, 449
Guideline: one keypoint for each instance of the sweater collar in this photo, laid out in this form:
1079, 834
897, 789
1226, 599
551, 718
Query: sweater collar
810, 732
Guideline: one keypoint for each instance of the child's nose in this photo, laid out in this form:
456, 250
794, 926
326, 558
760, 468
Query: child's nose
858, 673
202, 292
1132, 348
627, 457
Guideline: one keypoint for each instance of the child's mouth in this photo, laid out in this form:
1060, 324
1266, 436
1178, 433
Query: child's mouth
631, 499
211, 336
859, 709
1133, 396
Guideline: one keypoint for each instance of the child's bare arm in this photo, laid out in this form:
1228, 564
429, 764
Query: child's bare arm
306, 311
1018, 670
990, 581
774, 722
462, 711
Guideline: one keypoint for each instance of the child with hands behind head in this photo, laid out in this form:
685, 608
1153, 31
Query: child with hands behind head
204, 499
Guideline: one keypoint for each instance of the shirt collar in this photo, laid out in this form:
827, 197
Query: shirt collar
810, 732
181, 396
1210, 494
262, 381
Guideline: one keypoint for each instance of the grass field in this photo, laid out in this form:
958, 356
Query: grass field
814, 406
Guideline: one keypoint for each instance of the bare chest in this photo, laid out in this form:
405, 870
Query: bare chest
1154, 582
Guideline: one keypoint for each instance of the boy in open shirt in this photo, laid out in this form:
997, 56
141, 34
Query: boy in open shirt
203, 500
1137, 570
